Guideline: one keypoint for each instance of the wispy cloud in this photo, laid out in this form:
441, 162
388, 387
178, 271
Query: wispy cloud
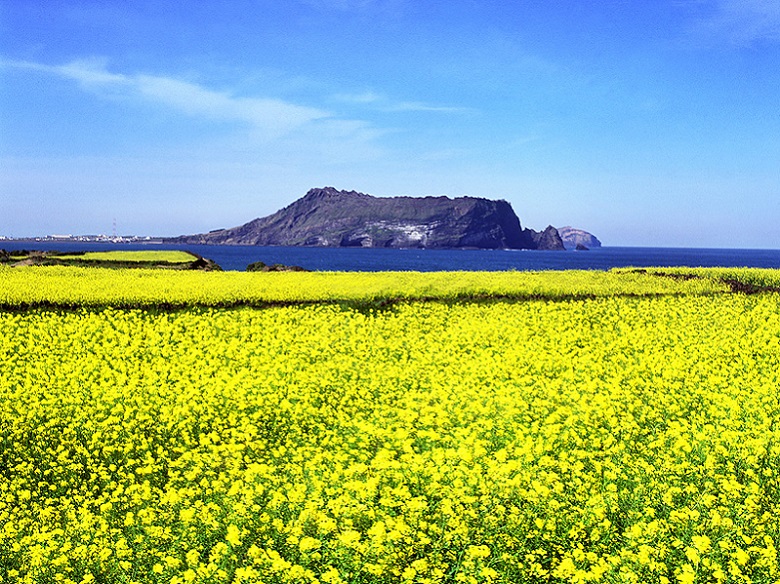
367, 97
740, 22
378, 102
267, 117
416, 106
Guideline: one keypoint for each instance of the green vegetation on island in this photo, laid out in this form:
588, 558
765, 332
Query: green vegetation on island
171, 259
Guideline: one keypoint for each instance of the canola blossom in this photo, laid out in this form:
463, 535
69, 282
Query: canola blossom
613, 438
67, 286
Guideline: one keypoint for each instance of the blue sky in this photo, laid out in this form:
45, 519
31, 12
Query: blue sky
648, 123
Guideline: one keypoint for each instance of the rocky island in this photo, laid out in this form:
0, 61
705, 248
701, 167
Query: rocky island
577, 238
335, 218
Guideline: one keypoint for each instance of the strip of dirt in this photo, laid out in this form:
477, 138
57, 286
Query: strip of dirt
736, 286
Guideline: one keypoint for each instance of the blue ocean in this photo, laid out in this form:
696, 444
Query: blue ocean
237, 258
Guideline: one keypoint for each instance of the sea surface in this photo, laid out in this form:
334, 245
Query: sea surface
238, 257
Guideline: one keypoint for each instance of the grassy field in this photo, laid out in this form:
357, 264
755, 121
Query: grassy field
171, 257
378, 428
118, 259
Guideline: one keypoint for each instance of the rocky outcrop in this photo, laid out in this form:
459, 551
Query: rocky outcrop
572, 237
547, 239
334, 218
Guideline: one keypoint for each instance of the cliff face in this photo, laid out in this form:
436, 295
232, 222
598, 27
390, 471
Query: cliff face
547, 239
572, 237
329, 217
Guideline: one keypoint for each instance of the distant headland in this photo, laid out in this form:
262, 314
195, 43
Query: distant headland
329, 217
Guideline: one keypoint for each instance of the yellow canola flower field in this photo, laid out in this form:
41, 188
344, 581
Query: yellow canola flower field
601, 439
69, 286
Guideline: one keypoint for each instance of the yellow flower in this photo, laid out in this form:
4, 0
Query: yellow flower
233, 536
349, 538
187, 515
702, 543
741, 556
693, 555
308, 544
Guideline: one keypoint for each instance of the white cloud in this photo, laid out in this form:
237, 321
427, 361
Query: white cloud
276, 117
291, 140
361, 98
382, 103
89, 73
416, 106
268, 118
263, 120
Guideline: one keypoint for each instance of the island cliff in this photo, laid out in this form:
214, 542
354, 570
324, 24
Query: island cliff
330, 217
577, 237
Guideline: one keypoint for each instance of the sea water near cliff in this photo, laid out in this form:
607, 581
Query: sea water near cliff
237, 257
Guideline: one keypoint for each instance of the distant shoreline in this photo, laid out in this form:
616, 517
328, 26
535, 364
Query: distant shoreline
119, 239
237, 257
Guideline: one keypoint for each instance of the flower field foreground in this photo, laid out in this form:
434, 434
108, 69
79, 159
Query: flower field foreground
68, 286
608, 439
